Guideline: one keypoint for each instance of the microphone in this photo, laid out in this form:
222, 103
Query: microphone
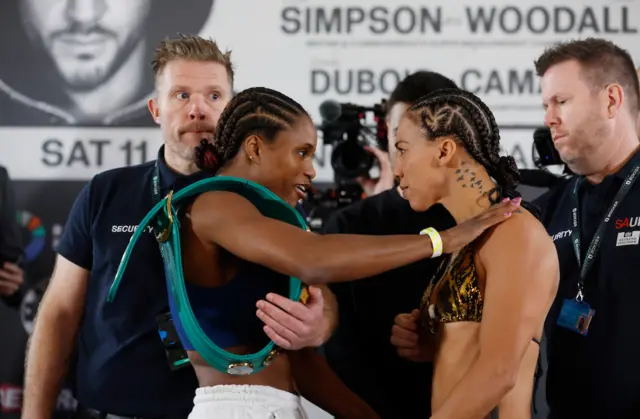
543, 143
331, 110
542, 134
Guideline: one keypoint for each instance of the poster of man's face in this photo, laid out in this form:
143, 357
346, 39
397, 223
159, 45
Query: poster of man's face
85, 62
88, 41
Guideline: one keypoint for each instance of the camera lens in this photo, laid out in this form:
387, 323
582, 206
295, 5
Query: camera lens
350, 160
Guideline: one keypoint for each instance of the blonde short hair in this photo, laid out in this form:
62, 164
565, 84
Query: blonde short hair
190, 48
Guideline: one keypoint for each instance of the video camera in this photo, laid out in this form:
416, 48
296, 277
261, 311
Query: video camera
344, 128
544, 154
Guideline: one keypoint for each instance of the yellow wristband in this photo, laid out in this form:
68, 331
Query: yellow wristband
436, 240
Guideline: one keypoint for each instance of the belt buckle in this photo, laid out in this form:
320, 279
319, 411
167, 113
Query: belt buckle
270, 356
240, 368
304, 294
163, 235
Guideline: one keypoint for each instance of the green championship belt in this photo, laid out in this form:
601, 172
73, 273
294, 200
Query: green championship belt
163, 217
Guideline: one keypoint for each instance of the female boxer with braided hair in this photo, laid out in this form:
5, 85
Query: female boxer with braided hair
233, 255
482, 315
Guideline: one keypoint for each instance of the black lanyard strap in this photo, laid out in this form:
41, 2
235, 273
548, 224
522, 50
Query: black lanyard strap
596, 242
155, 184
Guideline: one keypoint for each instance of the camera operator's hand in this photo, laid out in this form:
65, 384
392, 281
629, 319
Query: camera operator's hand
385, 181
455, 238
11, 277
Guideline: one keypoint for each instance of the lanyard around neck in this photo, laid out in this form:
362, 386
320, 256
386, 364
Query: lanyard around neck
596, 242
155, 184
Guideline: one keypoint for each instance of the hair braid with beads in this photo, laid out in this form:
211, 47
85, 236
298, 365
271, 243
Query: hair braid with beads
257, 110
462, 115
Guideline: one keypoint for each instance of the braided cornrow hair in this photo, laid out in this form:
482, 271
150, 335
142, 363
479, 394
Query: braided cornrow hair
461, 114
257, 110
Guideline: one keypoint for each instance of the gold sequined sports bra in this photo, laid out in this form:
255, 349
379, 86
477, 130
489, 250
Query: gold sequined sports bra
455, 295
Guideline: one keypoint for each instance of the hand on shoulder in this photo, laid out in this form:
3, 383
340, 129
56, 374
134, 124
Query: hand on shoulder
518, 243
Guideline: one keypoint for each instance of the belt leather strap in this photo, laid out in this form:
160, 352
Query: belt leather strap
163, 218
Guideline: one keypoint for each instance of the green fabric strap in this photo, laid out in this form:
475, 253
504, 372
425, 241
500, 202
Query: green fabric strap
164, 216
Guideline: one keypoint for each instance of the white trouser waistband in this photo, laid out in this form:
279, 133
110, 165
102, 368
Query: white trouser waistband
245, 401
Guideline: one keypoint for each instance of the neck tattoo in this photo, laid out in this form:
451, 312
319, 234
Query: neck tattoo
466, 176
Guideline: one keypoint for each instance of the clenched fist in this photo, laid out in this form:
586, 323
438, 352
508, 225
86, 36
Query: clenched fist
410, 339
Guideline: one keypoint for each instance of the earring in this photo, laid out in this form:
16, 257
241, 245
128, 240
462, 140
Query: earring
251, 158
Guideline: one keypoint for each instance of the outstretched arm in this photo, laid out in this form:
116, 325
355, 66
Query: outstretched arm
522, 278
232, 222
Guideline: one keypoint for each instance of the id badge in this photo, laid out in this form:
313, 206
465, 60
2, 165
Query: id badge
576, 316
176, 355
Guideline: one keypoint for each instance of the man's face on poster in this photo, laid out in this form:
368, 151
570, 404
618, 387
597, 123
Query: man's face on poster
88, 40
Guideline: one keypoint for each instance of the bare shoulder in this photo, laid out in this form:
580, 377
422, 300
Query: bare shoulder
521, 228
520, 241
215, 214
221, 203
219, 197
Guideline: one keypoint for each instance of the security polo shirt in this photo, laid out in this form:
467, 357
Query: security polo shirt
597, 375
121, 364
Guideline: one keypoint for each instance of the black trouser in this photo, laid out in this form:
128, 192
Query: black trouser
83, 412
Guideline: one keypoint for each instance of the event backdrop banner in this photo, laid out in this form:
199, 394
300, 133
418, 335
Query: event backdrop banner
68, 116
76, 78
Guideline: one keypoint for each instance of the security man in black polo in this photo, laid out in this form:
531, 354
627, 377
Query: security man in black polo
104, 378
595, 336
591, 333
